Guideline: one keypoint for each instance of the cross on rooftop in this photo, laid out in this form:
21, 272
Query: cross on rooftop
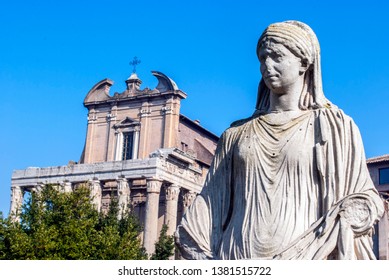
134, 63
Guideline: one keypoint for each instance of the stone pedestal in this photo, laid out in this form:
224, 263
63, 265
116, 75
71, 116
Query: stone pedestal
151, 220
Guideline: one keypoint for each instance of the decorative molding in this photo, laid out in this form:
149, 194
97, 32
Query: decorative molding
166, 110
144, 112
111, 117
127, 122
92, 117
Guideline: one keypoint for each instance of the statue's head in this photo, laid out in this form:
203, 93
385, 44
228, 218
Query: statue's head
297, 39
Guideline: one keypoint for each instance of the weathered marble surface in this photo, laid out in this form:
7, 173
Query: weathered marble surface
291, 181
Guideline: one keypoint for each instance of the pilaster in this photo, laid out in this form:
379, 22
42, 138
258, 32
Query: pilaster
144, 114
170, 112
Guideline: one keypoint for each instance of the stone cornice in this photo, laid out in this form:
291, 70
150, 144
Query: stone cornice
122, 98
160, 168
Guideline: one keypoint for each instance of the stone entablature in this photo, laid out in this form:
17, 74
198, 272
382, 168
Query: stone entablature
163, 165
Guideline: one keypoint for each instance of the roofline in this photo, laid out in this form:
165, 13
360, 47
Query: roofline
198, 126
378, 159
119, 98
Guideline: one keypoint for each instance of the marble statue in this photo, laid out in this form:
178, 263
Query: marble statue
291, 181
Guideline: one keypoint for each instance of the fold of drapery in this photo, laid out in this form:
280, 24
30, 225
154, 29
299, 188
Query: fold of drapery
227, 219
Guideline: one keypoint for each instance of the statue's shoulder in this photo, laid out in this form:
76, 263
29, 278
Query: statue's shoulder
241, 122
336, 114
235, 129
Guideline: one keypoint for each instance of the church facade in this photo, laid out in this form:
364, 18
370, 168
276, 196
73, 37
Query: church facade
138, 147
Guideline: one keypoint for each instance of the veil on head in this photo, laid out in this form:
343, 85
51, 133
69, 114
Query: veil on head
300, 39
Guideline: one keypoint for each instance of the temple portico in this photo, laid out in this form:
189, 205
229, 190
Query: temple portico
167, 170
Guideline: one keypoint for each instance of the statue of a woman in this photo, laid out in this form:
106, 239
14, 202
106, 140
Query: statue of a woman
291, 181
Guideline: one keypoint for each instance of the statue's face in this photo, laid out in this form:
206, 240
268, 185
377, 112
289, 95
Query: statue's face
280, 68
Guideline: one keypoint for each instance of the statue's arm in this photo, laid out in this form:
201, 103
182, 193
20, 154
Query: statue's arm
199, 233
347, 185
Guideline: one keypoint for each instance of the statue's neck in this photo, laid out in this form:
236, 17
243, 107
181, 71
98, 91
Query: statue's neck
288, 99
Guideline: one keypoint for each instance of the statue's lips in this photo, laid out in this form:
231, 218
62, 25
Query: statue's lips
271, 77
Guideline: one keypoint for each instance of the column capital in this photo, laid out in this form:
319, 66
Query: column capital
15, 188
38, 187
121, 180
16, 191
94, 181
188, 198
122, 186
154, 185
172, 192
67, 186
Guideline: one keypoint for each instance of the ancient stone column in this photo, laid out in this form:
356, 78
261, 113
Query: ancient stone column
172, 193
95, 193
188, 199
123, 196
16, 201
151, 219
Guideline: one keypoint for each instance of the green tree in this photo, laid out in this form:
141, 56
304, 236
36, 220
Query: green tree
164, 247
57, 225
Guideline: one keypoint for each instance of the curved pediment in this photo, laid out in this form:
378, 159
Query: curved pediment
164, 82
99, 91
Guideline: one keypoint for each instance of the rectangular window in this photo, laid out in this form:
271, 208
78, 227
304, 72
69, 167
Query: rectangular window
128, 143
384, 176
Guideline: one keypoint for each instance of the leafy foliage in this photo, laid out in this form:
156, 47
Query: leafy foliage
57, 225
164, 247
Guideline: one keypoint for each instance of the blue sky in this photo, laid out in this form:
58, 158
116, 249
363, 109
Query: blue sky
53, 52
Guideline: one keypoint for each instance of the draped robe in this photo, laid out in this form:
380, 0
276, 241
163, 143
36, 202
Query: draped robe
292, 190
